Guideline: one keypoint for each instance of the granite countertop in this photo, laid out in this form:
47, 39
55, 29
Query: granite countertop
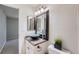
35, 42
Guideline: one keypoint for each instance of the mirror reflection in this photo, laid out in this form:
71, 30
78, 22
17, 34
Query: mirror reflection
30, 23
41, 23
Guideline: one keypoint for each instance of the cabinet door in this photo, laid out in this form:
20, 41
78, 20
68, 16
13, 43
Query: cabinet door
29, 48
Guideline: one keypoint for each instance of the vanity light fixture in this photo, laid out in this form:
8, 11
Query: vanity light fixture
42, 9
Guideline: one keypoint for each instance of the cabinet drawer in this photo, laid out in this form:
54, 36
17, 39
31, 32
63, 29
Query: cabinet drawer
29, 48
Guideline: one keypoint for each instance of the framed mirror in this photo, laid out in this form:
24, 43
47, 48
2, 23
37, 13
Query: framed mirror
30, 23
39, 24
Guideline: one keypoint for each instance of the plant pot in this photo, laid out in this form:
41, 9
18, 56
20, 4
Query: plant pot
58, 46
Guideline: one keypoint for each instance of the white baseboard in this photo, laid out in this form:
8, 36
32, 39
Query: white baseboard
2, 47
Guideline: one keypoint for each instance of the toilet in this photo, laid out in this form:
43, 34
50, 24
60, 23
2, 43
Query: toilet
52, 50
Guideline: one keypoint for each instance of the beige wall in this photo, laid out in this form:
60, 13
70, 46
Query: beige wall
63, 23
23, 13
78, 26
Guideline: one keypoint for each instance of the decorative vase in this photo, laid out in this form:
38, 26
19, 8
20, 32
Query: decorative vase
58, 46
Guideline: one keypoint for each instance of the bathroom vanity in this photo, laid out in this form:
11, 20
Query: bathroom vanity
37, 46
37, 43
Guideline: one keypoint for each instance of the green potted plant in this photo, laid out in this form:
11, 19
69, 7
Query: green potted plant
58, 43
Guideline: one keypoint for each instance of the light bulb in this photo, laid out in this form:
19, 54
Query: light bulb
42, 10
35, 13
38, 11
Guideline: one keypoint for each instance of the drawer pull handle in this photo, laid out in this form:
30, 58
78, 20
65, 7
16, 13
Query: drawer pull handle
38, 46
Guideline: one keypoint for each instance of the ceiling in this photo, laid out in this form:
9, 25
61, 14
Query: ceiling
33, 6
36, 6
22, 5
11, 10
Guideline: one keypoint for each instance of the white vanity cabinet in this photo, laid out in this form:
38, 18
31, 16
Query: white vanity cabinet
37, 49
